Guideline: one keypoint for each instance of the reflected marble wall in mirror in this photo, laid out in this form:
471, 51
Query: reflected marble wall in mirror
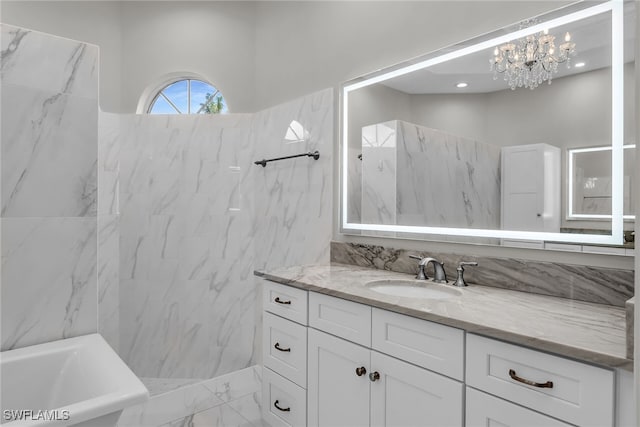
471, 143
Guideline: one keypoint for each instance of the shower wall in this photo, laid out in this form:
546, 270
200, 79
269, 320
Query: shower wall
293, 198
147, 229
194, 217
184, 229
49, 198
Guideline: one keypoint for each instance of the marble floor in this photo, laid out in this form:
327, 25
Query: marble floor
231, 400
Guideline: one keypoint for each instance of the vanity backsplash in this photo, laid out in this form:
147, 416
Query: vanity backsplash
585, 283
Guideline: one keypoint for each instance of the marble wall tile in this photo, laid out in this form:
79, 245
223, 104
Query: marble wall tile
49, 189
446, 180
293, 198
48, 279
42, 61
109, 279
187, 294
109, 126
197, 217
49, 153
585, 283
380, 189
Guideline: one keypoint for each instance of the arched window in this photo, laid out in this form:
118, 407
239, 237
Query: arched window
188, 96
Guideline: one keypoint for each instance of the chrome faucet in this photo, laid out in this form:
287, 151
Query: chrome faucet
439, 275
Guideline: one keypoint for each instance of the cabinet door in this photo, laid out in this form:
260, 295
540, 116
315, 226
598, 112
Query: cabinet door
337, 396
406, 395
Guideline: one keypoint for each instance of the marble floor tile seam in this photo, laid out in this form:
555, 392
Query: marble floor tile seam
249, 423
188, 420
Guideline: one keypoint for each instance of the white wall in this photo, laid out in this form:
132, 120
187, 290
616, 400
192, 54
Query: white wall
259, 53
305, 46
211, 38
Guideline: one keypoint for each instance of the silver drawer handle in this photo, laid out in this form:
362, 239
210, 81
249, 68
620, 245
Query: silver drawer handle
279, 301
514, 376
277, 346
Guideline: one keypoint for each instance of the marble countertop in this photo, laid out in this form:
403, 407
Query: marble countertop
584, 331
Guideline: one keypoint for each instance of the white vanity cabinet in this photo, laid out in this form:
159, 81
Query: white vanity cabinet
333, 362
351, 383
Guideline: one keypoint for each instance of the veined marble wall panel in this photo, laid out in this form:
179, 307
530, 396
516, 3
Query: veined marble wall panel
431, 163
49, 189
293, 198
50, 63
186, 285
49, 152
48, 279
109, 228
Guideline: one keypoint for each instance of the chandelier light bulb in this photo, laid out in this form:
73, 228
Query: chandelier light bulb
567, 37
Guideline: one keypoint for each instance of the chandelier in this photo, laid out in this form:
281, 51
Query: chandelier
529, 61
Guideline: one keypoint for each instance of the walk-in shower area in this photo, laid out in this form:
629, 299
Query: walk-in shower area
147, 228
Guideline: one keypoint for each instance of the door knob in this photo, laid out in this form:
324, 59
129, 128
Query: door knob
361, 371
374, 376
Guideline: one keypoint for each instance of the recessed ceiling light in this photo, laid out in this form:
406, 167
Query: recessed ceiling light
579, 64
461, 85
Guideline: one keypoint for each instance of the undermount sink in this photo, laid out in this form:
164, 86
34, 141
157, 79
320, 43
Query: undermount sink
413, 289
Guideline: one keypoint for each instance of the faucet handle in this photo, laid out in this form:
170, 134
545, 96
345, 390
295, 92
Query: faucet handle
421, 274
460, 279
470, 263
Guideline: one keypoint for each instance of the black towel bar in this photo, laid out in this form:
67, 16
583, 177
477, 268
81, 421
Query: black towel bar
263, 162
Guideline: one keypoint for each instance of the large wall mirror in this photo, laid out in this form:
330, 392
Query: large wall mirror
522, 135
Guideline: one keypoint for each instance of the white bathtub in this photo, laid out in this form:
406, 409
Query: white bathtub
76, 381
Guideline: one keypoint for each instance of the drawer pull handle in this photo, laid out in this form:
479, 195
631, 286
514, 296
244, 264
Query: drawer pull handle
374, 376
514, 376
361, 371
281, 409
279, 301
277, 346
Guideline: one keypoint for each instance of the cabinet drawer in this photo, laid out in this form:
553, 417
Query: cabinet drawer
430, 345
285, 348
284, 404
580, 394
285, 301
484, 410
346, 319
